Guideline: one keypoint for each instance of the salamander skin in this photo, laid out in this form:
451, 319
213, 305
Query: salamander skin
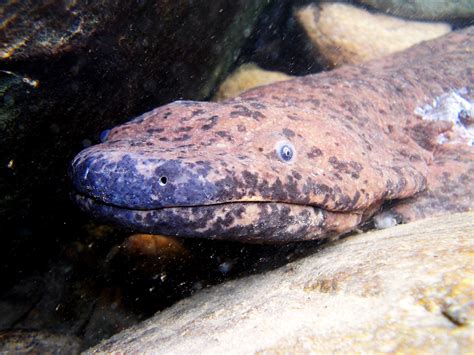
303, 159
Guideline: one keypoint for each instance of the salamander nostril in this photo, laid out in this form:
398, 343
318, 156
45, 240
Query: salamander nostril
163, 180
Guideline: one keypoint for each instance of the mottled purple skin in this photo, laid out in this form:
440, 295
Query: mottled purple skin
200, 169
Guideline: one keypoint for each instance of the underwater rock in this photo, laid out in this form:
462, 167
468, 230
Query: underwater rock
72, 69
110, 315
246, 77
278, 43
425, 9
155, 252
164, 248
345, 34
381, 291
38, 342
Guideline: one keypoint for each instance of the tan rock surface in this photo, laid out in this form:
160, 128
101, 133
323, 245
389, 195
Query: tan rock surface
408, 288
345, 34
246, 77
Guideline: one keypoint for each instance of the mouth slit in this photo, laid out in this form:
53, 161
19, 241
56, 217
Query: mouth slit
98, 202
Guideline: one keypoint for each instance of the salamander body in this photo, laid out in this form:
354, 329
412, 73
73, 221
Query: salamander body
308, 158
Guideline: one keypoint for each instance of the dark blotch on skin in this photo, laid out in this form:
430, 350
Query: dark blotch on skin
352, 107
244, 111
155, 130
401, 183
356, 166
411, 157
344, 202
184, 129
197, 112
238, 212
278, 190
182, 138
322, 189
314, 153
351, 168
212, 122
257, 115
250, 179
204, 167
288, 133
296, 175
315, 102
292, 186
355, 198
257, 105
225, 135
209, 142
241, 111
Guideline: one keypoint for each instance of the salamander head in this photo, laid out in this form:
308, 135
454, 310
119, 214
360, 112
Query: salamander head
238, 170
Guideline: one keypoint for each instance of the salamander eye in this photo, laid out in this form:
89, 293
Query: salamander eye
285, 151
104, 135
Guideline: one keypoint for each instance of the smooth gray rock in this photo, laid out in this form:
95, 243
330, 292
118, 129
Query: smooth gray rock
426, 9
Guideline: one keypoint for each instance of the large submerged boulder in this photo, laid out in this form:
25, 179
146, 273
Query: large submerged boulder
346, 34
72, 69
403, 289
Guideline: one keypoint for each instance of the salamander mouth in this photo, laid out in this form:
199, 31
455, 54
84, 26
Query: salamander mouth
252, 221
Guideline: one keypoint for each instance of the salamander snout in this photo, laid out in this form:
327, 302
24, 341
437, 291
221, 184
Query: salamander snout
137, 181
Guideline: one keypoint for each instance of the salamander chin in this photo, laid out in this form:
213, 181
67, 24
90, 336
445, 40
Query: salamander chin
253, 222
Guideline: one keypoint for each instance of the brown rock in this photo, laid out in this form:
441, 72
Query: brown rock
157, 247
153, 245
384, 291
344, 34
